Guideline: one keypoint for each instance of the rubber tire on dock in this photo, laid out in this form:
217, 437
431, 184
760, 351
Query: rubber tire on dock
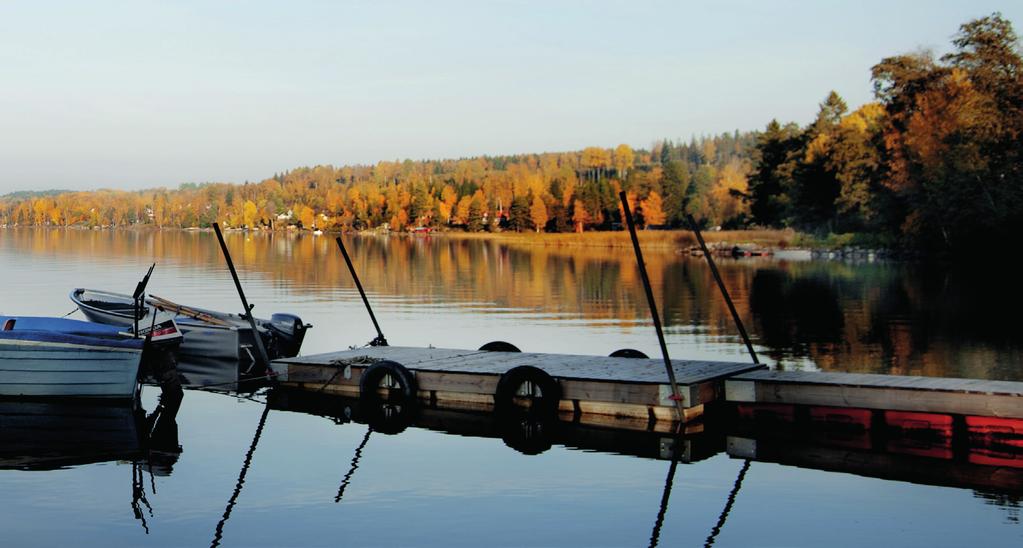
546, 405
371, 377
393, 414
628, 353
499, 346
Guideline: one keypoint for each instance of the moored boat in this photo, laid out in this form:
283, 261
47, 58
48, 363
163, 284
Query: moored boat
207, 333
57, 357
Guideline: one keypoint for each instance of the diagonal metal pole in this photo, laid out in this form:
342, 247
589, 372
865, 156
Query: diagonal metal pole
241, 293
721, 286
380, 340
749, 347
675, 394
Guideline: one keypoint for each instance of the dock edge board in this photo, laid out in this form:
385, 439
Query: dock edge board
886, 392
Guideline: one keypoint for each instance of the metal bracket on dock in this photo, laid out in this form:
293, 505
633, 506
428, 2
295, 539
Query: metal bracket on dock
740, 391
666, 396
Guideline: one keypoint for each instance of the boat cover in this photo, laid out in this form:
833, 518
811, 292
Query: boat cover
62, 330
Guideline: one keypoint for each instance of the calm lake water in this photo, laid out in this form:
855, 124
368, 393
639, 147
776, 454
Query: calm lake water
456, 480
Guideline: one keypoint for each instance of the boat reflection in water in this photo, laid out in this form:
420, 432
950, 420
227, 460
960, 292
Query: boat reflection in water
41, 435
211, 375
47, 435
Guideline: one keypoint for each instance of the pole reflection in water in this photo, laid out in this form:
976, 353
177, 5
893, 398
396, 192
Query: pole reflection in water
728, 505
807, 443
219, 534
655, 536
354, 466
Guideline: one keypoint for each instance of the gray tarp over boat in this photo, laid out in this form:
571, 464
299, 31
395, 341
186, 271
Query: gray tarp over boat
225, 336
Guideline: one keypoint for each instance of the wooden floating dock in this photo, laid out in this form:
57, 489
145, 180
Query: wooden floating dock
884, 392
940, 431
594, 388
634, 393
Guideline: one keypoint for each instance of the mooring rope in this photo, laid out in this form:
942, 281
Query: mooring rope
70, 313
341, 364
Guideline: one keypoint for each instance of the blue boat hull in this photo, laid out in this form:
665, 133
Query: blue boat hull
85, 363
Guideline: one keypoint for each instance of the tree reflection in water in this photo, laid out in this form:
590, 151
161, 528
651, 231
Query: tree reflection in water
881, 317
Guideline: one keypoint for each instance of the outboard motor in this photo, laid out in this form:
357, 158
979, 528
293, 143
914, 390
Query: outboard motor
288, 332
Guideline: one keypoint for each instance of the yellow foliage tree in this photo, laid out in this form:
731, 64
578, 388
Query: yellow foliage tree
538, 213
250, 214
653, 209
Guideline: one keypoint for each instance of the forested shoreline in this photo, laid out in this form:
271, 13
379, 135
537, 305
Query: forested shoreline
932, 164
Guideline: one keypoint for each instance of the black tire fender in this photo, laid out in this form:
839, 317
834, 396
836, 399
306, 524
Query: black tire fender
508, 387
499, 346
628, 353
399, 374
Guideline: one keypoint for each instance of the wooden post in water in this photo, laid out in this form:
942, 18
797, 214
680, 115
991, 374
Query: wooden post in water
675, 394
241, 293
721, 286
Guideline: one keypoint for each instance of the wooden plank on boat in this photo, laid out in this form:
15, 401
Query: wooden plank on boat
904, 393
171, 306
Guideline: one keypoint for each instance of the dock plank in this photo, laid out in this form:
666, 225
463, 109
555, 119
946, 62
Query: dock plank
894, 392
636, 389
567, 366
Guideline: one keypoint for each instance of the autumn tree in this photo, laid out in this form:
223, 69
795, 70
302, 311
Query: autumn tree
652, 209
538, 213
249, 214
952, 138
623, 159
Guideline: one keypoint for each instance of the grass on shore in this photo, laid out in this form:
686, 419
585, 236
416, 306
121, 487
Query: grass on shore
653, 239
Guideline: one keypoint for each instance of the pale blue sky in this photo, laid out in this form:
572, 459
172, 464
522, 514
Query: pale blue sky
143, 93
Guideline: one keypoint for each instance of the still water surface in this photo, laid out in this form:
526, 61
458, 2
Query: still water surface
427, 487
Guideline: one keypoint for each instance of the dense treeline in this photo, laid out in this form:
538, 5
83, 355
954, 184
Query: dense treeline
545, 192
933, 163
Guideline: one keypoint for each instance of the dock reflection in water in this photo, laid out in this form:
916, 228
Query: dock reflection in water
41, 436
929, 449
451, 478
